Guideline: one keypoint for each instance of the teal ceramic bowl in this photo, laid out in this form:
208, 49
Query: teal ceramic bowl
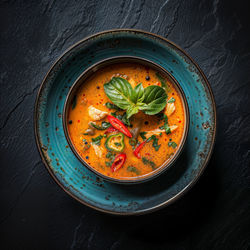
72, 175
124, 59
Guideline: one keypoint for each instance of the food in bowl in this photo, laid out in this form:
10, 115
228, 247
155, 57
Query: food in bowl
126, 120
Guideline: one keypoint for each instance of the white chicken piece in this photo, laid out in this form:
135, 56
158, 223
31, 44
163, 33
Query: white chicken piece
98, 150
154, 132
170, 109
173, 128
158, 131
96, 114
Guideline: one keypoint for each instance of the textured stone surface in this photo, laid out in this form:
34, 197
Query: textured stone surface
37, 214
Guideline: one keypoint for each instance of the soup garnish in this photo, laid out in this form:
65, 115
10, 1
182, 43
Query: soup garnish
126, 120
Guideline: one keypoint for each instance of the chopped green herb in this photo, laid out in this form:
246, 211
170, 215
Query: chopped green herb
74, 102
142, 134
125, 120
163, 81
133, 169
172, 144
118, 144
155, 142
166, 126
104, 125
160, 116
108, 163
152, 137
165, 118
105, 135
109, 155
110, 105
160, 134
132, 141
171, 100
97, 140
148, 162
167, 129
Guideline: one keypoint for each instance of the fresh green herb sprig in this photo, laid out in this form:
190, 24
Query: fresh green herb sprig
150, 100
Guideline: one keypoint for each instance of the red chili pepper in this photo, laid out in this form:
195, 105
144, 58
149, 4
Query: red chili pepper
119, 125
110, 130
138, 149
118, 162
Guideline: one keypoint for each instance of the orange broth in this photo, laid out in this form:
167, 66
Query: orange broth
92, 93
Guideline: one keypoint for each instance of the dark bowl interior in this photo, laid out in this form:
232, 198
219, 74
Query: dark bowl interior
124, 59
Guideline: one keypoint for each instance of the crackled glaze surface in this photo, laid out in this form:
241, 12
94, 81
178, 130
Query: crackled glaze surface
37, 214
80, 182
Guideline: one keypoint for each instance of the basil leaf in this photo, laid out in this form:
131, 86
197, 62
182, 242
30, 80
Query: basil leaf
133, 169
167, 129
166, 126
172, 144
104, 125
97, 140
154, 101
125, 119
132, 141
109, 155
119, 91
150, 100
110, 105
171, 100
132, 110
138, 93
155, 144
108, 163
148, 162
142, 134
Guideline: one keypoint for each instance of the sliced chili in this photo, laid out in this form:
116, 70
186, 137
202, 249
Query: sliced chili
119, 125
138, 149
118, 162
110, 130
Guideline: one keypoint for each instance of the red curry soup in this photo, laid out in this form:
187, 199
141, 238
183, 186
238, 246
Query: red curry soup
126, 120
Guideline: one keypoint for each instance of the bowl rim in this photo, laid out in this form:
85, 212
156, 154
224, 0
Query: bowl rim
87, 73
165, 203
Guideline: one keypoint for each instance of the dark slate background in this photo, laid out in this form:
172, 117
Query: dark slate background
36, 214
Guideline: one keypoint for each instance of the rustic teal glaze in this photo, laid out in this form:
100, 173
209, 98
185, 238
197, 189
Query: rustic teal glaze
76, 179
